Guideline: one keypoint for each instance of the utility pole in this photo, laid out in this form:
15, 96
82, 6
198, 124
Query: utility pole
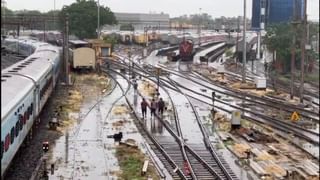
4, 6
199, 28
213, 95
293, 51
66, 48
54, 14
98, 25
244, 53
237, 41
303, 49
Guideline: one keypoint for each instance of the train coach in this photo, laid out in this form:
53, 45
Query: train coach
25, 89
81, 55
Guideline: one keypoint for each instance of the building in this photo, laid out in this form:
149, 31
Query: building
139, 21
266, 12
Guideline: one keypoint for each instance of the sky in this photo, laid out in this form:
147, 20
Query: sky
215, 8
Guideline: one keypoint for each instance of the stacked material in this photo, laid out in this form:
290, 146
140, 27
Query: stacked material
119, 110
222, 122
241, 149
263, 156
273, 169
239, 85
146, 88
308, 169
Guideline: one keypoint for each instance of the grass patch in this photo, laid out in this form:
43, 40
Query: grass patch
131, 161
228, 143
312, 78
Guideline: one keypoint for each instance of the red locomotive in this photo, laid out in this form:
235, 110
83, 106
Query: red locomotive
186, 50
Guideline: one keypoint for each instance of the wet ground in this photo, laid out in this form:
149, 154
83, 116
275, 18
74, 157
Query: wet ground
87, 152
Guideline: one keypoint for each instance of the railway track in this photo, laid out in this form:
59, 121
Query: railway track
175, 153
282, 86
219, 165
308, 135
265, 101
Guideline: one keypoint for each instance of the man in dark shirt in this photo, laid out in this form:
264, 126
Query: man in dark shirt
144, 105
161, 106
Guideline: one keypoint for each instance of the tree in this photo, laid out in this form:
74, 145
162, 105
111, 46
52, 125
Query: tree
53, 25
112, 39
83, 18
279, 39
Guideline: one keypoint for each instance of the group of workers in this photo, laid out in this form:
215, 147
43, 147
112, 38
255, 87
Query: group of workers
154, 106
158, 105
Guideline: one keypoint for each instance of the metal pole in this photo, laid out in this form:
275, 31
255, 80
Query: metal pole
244, 58
199, 28
293, 52
54, 14
258, 45
66, 53
213, 99
158, 78
98, 25
237, 43
303, 49
67, 147
293, 57
3, 4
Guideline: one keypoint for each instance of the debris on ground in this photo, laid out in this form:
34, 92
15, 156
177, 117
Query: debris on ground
119, 123
120, 110
240, 149
131, 161
147, 88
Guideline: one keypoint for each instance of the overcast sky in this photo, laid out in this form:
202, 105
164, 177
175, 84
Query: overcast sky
215, 8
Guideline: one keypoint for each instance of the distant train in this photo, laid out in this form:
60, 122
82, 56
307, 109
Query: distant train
187, 45
186, 50
25, 89
173, 38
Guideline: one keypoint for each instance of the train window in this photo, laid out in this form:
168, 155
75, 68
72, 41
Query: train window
7, 143
28, 113
31, 107
17, 128
12, 135
15, 113
21, 121
16, 69
21, 66
13, 71
2, 148
6, 76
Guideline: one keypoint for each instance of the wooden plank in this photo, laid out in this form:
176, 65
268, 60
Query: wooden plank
145, 167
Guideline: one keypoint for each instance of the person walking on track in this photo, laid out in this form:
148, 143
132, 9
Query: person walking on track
144, 105
161, 106
153, 107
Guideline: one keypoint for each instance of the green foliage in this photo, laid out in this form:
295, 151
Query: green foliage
83, 17
279, 39
111, 39
5, 11
228, 52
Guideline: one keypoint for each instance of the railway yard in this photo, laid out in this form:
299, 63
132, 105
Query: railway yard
213, 125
